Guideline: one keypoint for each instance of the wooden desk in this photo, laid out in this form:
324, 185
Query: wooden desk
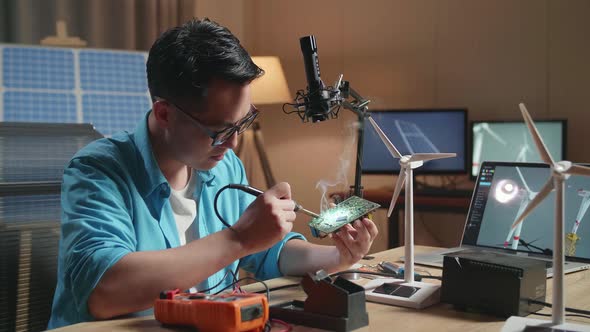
440, 317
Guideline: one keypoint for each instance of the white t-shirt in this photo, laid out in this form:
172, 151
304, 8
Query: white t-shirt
184, 209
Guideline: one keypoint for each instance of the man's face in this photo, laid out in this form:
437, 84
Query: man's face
225, 104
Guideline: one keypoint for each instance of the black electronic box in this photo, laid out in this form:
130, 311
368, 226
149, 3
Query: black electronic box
493, 283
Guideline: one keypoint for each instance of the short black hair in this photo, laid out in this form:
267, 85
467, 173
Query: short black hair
184, 59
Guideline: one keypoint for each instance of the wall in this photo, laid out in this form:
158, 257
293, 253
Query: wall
487, 55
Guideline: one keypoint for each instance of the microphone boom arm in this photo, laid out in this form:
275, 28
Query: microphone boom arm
359, 106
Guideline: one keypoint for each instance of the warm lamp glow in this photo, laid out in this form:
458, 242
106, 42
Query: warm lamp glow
272, 87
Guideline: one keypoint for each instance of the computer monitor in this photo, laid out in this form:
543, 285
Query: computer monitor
417, 131
512, 141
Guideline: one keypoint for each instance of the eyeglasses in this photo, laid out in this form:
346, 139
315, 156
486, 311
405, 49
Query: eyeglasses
221, 136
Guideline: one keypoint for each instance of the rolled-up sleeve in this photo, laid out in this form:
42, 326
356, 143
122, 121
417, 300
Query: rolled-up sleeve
266, 263
97, 228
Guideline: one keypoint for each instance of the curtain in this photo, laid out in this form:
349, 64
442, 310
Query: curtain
114, 24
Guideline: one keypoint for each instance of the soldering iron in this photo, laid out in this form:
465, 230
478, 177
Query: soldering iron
257, 192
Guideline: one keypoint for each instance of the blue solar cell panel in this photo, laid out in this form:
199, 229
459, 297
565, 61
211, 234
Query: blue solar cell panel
421, 144
39, 107
41, 85
114, 113
38, 68
113, 71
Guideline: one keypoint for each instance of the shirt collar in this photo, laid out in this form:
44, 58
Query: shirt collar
155, 179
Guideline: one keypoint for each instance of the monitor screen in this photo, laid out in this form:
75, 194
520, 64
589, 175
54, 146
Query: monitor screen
512, 141
417, 131
504, 190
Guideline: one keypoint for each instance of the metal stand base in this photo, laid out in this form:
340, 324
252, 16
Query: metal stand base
417, 295
516, 323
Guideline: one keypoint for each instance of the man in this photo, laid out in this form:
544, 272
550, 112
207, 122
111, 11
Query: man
138, 208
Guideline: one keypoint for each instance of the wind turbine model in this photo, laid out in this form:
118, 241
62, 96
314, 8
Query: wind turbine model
524, 149
479, 131
527, 196
407, 292
572, 238
560, 172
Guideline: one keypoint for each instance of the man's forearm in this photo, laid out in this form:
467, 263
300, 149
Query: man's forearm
299, 257
135, 281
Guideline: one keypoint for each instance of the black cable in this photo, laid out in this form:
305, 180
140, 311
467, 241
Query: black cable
247, 278
234, 279
576, 315
215, 207
219, 283
574, 310
346, 272
382, 274
567, 315
280, 287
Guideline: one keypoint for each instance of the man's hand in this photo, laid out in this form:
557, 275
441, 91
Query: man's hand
353, 242
267, 220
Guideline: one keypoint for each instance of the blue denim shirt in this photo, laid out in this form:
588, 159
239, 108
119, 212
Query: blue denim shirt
115, 201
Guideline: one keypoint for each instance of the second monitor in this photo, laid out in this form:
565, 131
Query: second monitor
511, 141
417, 131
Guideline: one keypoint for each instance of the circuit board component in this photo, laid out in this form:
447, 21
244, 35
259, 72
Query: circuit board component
346, 212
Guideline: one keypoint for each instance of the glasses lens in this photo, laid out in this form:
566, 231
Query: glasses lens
247, 122
240, 127
224, 136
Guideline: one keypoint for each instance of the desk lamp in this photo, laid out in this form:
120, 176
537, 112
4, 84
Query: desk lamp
270, 88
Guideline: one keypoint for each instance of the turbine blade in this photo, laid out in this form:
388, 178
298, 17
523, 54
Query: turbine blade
578, 170
523, 180
545, 156
398, 188
394, 152
494, 135
431, 156
533, 204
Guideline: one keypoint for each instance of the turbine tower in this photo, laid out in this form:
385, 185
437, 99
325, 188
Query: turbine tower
527, 196
572, 238
422, 294
560, 172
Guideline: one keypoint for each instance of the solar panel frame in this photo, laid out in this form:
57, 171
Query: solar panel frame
36, 86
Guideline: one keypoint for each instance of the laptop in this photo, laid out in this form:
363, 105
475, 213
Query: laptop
502, 191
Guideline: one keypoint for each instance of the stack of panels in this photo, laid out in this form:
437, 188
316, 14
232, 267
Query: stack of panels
105, 88
32, 159
66, 87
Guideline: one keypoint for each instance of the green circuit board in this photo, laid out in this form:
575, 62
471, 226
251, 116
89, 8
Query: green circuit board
346, 212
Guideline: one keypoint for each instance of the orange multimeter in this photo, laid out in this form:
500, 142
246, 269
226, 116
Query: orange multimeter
224, 312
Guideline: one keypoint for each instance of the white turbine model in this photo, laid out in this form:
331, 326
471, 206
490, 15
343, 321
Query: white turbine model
524, 149
479, 131
417, 294
527, 196
572, 238
560, 172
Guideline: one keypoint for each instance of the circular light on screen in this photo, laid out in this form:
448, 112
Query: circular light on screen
505, 191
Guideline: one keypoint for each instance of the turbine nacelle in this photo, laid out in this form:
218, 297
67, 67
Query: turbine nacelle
407, 162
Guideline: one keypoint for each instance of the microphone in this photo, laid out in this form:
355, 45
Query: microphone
319, 100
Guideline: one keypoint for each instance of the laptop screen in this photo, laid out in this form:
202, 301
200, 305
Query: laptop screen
502, 192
